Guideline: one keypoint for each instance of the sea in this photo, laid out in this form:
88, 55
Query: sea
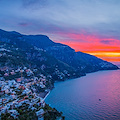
95, 96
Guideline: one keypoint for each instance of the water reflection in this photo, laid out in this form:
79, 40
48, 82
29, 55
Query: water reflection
93, 97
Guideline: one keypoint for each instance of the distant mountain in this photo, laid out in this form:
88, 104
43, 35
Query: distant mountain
56, 56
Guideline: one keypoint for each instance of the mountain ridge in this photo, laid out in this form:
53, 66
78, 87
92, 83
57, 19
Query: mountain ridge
80, 62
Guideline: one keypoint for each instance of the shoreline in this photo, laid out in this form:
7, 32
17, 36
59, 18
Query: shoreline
43, 95
63, 103
46, 95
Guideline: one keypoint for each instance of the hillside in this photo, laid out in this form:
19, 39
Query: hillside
73, 61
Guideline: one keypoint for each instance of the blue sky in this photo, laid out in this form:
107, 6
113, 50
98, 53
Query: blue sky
68, 21
47, 16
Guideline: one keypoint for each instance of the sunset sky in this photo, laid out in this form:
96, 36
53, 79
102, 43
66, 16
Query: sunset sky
91, 26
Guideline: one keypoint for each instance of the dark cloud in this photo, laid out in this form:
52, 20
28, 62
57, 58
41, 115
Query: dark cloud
107, 41
23, 24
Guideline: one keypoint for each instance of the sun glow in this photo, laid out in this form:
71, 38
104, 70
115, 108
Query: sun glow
109, 56
99, 46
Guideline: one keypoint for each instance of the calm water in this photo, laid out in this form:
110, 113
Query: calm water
79, 98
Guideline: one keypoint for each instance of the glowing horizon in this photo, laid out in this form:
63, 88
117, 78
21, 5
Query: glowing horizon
108, 56
105, 48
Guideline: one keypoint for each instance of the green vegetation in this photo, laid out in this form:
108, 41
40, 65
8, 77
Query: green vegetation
52, 113
25, 113
7, 116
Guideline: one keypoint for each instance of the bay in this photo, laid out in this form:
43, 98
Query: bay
95, 96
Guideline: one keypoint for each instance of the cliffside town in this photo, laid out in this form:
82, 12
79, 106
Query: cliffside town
23, 87
23, 97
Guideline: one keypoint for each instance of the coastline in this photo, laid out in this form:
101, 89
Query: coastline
45, 94
58, 101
